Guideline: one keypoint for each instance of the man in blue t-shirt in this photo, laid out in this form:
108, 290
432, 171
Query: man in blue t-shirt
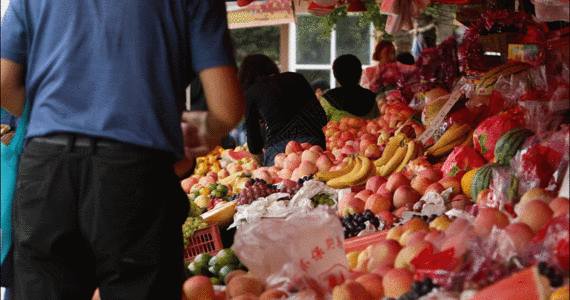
98, 202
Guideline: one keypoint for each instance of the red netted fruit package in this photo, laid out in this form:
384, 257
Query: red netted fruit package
491, 129
462, 158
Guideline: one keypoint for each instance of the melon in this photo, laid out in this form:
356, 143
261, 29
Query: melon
489, 131
482, 179
486, 83
522, 285
230, 155
509, 143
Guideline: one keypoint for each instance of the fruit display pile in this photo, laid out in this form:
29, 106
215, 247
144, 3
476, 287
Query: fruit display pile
458, 193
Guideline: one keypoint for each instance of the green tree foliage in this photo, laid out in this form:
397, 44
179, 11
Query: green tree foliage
262, 39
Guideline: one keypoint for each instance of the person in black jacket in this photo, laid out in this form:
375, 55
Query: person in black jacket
350, 99
281, 107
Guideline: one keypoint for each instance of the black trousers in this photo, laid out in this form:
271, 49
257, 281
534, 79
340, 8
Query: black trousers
94, 213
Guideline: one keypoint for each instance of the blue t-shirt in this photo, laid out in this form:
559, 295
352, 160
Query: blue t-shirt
114, 69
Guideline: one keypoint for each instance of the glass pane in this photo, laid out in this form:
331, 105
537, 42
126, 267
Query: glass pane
263, 39
353, 38
312, 75
312, 46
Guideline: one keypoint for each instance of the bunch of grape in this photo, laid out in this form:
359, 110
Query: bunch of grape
354, 223
190, 226
254, 188
322, 199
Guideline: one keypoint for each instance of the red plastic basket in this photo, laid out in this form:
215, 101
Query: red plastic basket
205, 240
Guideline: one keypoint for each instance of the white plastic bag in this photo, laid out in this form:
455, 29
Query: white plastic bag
308, 243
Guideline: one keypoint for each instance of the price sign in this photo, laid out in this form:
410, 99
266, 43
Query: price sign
434, 125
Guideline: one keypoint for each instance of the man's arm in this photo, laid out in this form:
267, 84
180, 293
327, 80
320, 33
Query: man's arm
12, 89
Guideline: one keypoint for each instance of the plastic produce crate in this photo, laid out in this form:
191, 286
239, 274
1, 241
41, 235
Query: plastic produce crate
205, 240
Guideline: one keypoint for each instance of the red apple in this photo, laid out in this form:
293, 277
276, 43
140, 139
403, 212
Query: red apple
292, 147
420, 184
487, 218
374, 182
377, 203
405, 194
396, 180
451, 182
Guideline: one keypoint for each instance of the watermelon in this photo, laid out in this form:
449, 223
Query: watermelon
482, 179
462, 158
509, 143
526, 284
491, 129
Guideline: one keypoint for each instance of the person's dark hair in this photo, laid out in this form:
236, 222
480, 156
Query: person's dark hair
320, 84
254, 67
347, 69
406, 58
379, 47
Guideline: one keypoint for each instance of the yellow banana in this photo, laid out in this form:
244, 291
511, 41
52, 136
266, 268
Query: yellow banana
468, 139
390, 149
452, 134
447, 148
411, 151
328, 175
362, 174
344, 180
371, 172
391, 165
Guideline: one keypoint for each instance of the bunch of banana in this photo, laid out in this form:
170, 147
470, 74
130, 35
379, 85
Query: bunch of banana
399, 151
456, 135
355, 173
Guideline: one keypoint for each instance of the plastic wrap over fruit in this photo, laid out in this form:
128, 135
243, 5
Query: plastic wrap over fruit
551, 243
462, 158
542, 160
504, 187
307, 243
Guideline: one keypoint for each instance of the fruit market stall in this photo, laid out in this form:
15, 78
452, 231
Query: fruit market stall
459, 190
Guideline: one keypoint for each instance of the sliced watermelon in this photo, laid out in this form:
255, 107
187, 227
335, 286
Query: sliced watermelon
527, 284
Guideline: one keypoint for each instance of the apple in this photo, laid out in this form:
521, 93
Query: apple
434, 236
309, 155
374, 182
535, 213
363, 194
350, 290
372, 283
187, 183
435, 187
279, 158
307, 168
411, 236
420, 184
415, 224
372, 152
396, 180
451, 182
292, 161
405, 194
316, 148
395, 233
460, 201
383, 253
242, 284
487, 218
377, 203
433, 174
397, 282
349, 204
306, 146
293, 147
234, 168
323, 163
285, 173
382, 270
538, 193
520, 234
198, 287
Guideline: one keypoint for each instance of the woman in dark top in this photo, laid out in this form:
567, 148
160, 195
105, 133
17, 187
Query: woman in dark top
281, 107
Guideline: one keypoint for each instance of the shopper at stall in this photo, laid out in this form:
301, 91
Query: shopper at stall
384, 52
349, 99
281, 107
97, 202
